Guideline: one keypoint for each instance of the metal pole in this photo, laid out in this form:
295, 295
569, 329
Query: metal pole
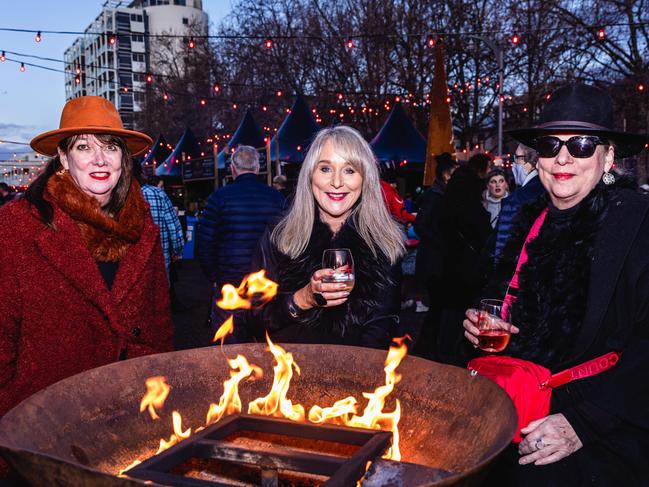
499, 54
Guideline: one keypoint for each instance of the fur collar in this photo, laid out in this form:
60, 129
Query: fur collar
554, 282
372, 277
108, 238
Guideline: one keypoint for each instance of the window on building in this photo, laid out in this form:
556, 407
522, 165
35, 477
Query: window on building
138, 97
138, 57
137, 37
137, 18
185, 21
180, 2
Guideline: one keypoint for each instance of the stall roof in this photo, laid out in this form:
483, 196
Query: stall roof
159, 152
398, 139
248, 133
295, 134
172, 166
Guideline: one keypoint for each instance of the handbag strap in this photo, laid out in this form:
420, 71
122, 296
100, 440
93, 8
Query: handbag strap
581, 371
510, 295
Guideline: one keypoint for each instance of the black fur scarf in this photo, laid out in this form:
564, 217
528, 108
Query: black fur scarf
554, 282
376, 281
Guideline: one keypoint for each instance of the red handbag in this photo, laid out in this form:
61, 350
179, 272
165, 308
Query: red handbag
530, 385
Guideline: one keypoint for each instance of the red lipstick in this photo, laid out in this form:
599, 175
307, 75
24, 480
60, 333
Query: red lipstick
99, 176
563, 176
337, 196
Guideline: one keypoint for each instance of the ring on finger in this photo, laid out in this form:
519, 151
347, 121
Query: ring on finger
539, 444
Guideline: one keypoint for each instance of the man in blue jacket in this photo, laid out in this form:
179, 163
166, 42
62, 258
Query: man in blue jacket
234, 220
529, 188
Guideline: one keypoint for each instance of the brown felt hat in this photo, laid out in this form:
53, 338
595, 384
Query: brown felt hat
90, 115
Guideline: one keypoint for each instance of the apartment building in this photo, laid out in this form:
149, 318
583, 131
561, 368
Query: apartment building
113, 56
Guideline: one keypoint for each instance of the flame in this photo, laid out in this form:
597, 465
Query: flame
341, 410
230, 402
255, 288
373, 415
275, 403
178, 434
225, 329
121, 472
157, 391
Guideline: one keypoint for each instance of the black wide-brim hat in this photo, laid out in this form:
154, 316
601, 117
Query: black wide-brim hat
581, 109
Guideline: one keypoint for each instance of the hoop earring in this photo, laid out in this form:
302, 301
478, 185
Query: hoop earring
608, 178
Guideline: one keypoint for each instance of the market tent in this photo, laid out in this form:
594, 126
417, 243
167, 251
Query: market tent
399, 140
295, 134
159, 152
172, 166
248, 133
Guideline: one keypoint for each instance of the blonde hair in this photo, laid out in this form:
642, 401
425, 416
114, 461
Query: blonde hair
370, 214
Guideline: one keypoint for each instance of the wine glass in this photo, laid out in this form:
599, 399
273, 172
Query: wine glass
491, 316
341, 261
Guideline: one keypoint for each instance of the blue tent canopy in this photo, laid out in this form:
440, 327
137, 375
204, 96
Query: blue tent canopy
159, 152
248, 133
172, 166
399, 140
295, 134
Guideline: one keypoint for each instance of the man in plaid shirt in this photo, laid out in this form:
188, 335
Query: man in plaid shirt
164, 215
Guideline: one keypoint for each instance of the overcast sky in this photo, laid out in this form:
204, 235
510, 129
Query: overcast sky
31, 102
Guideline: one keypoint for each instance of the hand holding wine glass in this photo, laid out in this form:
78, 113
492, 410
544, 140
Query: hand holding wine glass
331, 285
342, 264
488, 328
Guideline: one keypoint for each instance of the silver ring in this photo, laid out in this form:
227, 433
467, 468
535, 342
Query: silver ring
540, 444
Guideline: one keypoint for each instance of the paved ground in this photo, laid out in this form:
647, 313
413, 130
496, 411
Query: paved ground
193, 293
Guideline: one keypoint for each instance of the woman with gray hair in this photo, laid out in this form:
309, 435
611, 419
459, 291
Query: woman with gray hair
338, 204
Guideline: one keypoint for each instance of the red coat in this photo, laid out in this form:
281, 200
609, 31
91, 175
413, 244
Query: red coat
57, 316
395, 204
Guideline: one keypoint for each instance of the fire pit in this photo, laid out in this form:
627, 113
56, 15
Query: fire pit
85, 429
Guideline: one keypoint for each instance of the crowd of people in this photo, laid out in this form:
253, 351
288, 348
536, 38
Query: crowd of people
559, 234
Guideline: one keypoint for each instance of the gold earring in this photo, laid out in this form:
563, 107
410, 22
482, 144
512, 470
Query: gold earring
61, 172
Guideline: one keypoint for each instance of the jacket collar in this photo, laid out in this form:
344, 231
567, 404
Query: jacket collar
246, 176
66, 251
612, 247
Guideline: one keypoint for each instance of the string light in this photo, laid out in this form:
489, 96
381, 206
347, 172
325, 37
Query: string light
125, 89
515, 38
77, 79
112, 38
191, 43
149, 78
350, 43
38, 36
601, 35
268, 43
431, 41
279, 93
22, 67
3, 57
165, 97
216, 88
77, 70
203, 102
640, 87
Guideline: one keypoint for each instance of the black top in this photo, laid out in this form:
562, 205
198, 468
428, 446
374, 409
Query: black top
108, 271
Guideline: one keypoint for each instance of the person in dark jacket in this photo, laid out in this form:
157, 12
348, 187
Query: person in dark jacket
529, 188
430, 256
338, 204
5, 193
582, 292
465, 228
232, 223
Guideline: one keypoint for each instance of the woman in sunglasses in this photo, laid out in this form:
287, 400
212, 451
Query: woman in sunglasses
575, 276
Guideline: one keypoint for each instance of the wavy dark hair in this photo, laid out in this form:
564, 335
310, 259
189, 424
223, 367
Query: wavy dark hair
35, 192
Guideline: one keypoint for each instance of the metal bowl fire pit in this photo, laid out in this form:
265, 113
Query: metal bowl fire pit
85, 429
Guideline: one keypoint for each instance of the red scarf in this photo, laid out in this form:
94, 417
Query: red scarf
107, 237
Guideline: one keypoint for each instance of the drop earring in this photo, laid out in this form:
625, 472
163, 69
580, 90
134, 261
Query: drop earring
608, 178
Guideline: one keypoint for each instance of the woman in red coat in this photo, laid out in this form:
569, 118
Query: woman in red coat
83, 277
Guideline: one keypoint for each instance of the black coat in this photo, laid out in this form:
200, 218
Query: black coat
368, 318
430, 259
609, 411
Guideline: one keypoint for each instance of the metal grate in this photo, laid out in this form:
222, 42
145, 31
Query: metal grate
210, 443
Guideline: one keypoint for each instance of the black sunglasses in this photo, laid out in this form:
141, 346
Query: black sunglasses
580, 146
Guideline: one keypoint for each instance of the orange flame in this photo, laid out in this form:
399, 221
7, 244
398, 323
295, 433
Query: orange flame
225, 329
254, 287
275, 403
341, 411
135, 463
178, 434
230, 402
156, 394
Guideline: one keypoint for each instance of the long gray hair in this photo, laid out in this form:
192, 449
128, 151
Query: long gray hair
370, 214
